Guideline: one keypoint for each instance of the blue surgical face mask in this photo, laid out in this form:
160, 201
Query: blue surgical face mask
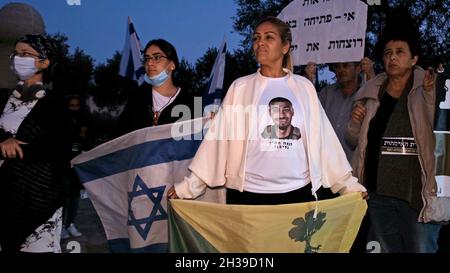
157, 80
24, 67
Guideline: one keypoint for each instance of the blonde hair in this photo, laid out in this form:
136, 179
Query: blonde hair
286, 37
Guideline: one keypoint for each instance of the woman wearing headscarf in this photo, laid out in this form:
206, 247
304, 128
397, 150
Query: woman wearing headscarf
33, 152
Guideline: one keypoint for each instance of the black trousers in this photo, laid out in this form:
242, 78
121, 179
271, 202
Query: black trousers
235, 197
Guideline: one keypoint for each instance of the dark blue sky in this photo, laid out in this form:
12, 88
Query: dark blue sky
98, 26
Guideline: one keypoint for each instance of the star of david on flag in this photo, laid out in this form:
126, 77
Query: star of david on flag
127, 180
157, 212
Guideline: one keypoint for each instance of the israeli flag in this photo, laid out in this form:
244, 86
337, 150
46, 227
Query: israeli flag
128, 178
131, 64
212, 97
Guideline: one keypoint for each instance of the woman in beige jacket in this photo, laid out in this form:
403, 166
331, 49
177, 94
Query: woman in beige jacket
277, 170
392, 124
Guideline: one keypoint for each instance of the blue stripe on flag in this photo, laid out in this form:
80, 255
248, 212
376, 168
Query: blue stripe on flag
130, 63
142, 155
130, 67
132, 30
214, 90
224, 50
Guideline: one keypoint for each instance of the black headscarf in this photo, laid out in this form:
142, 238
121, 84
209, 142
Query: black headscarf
46, 49
43, 45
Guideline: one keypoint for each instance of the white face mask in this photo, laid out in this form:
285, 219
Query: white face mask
24, 67
159, 79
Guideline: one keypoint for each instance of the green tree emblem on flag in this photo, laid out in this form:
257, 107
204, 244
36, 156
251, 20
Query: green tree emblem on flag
305, 229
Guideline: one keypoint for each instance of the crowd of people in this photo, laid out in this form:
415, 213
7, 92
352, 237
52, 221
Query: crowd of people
276, 161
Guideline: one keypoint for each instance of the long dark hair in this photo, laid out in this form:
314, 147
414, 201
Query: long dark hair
171, 53
166, 47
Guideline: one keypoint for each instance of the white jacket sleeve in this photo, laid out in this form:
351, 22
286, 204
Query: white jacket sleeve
347, 184
191, 187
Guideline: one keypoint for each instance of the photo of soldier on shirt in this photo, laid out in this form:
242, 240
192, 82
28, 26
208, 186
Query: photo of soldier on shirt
281, 112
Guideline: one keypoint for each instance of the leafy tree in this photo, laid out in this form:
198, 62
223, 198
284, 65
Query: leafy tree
73, 72
111, 89
249, 12
62, 61
240, 63
306, 228
203, 68
61, 46
104, 71
431, 16
185, 76
106, 97
81, 68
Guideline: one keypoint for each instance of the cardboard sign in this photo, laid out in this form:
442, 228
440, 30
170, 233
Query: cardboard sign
325, 31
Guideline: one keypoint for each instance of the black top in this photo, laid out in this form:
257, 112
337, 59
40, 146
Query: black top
138, 112
395, 173
30, 191
376, 131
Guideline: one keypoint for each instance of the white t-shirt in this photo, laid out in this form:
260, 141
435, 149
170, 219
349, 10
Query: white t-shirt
276, 157
160, 102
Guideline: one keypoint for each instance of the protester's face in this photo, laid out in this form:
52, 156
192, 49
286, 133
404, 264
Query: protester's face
157, 61
281, 113
346, 72
83, 131
25, 50
397, 59
74, 105
268, 46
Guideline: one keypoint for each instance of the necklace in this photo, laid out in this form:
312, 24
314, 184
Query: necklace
156, 113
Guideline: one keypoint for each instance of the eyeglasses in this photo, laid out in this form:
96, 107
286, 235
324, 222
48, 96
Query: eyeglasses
155, 58
25, 54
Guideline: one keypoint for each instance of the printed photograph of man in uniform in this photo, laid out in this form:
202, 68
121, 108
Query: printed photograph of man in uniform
281, 112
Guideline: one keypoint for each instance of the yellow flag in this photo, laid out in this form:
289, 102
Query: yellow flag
324, 226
